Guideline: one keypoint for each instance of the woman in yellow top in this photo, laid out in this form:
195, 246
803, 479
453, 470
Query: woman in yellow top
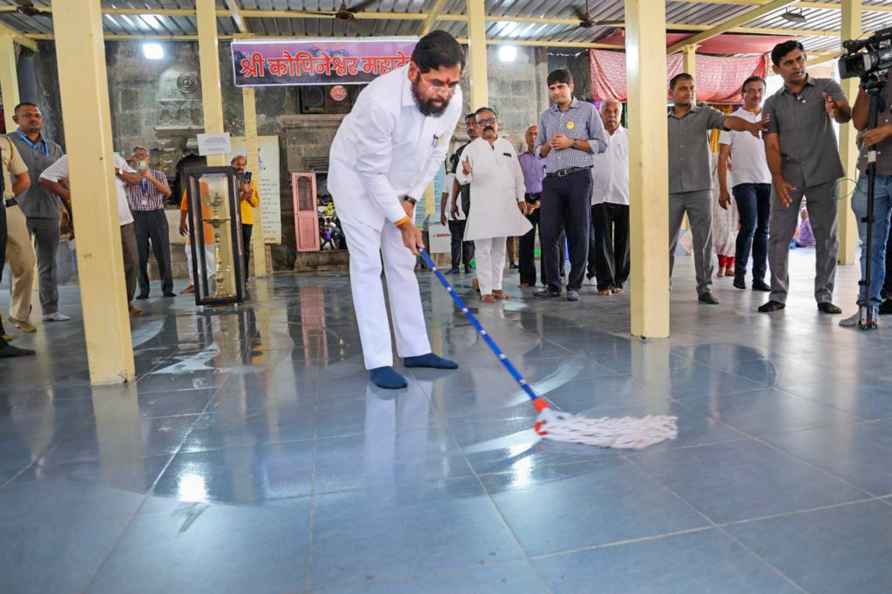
248, 200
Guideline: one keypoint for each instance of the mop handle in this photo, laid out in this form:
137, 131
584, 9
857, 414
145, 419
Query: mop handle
469, 315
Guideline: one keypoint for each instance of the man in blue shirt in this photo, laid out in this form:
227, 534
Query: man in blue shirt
570, 132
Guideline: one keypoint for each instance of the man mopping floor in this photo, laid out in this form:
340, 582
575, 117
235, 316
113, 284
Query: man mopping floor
383, 157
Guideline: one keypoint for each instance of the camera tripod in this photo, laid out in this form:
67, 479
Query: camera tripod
873, 84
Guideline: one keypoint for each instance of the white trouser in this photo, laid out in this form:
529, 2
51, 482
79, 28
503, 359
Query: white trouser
367, 246
490, 255
208, 257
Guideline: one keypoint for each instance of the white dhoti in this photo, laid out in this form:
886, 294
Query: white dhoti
490, 256
368, 247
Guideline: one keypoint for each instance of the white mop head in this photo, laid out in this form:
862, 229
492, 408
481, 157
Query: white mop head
632, 433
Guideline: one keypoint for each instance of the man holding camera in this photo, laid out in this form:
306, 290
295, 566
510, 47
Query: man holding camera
880, 140
146, 198
803, 157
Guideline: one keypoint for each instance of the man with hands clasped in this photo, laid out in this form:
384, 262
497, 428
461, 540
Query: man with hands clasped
570, 133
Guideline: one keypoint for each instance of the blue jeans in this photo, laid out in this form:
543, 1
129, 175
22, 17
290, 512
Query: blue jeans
881, 211
754, 206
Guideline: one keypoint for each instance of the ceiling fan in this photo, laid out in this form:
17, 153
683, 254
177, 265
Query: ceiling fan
344, 13
27, 8
794, 17
585, 18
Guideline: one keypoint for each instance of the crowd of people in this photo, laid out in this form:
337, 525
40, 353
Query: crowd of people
571, 181
39, 210
569, 184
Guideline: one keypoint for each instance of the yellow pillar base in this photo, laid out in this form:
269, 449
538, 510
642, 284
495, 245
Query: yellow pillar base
83, 85
648, 169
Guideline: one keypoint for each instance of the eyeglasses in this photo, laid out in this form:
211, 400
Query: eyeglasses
486, 122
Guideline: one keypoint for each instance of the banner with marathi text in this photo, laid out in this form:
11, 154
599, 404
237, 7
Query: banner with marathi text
317, 61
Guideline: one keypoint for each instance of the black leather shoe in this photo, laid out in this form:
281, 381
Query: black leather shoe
772, 306
739, 283
452, 271
708, 299
547, 293
828, 308
171, 294
142, 296
759, 285
9, 351
886, 307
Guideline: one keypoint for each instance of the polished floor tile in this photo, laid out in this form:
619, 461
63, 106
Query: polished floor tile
844, 549
702, 562
745, 480
252, 454
211, 549
606, 501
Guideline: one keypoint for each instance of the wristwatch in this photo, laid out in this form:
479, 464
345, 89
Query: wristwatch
410, 200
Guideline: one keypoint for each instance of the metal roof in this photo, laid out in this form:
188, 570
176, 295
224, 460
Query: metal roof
688, 12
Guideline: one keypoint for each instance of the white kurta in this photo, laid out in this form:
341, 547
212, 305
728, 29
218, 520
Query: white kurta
496, 187
386, 148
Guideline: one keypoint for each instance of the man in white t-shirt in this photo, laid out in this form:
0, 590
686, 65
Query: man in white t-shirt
451, 213
609, 250
744, 155
52, 179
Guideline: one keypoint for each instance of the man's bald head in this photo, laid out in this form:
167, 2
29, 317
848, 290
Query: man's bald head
610, 114
530, 136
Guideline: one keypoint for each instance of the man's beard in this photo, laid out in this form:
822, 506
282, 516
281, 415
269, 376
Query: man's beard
427, 108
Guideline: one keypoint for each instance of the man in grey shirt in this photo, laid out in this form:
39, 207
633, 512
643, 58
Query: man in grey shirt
570, 132
41, 207
690, 178
803, 157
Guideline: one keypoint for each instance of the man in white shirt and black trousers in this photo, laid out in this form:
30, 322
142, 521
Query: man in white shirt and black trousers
609, 248
383, 157
743, 155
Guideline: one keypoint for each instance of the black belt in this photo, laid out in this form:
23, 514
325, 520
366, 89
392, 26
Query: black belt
566, 172
11, 202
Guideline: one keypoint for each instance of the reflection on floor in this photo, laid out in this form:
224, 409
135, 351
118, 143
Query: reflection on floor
253, 457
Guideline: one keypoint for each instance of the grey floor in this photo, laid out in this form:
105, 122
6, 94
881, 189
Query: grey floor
252, 457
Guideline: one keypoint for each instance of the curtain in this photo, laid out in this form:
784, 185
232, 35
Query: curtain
718, 79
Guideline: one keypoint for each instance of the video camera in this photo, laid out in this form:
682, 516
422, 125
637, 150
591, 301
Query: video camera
868, 58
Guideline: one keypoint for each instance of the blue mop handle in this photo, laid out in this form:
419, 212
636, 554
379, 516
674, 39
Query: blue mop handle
479, 328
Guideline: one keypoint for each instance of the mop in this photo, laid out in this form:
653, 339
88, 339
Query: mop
634, 433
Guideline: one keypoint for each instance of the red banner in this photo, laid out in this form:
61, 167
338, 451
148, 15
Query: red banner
717, 80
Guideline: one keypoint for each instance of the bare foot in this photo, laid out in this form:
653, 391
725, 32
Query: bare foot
488, 299
616, 290
189, 289
501, 295
134, 312
603, 292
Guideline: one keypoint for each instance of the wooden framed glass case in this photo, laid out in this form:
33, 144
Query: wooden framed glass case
215, 235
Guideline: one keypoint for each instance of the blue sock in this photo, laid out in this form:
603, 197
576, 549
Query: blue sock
430, 360
387, 378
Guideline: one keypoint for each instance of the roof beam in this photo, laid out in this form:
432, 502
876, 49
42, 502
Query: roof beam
729, 24
816, 5
432, 17
18, 37
236, 14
